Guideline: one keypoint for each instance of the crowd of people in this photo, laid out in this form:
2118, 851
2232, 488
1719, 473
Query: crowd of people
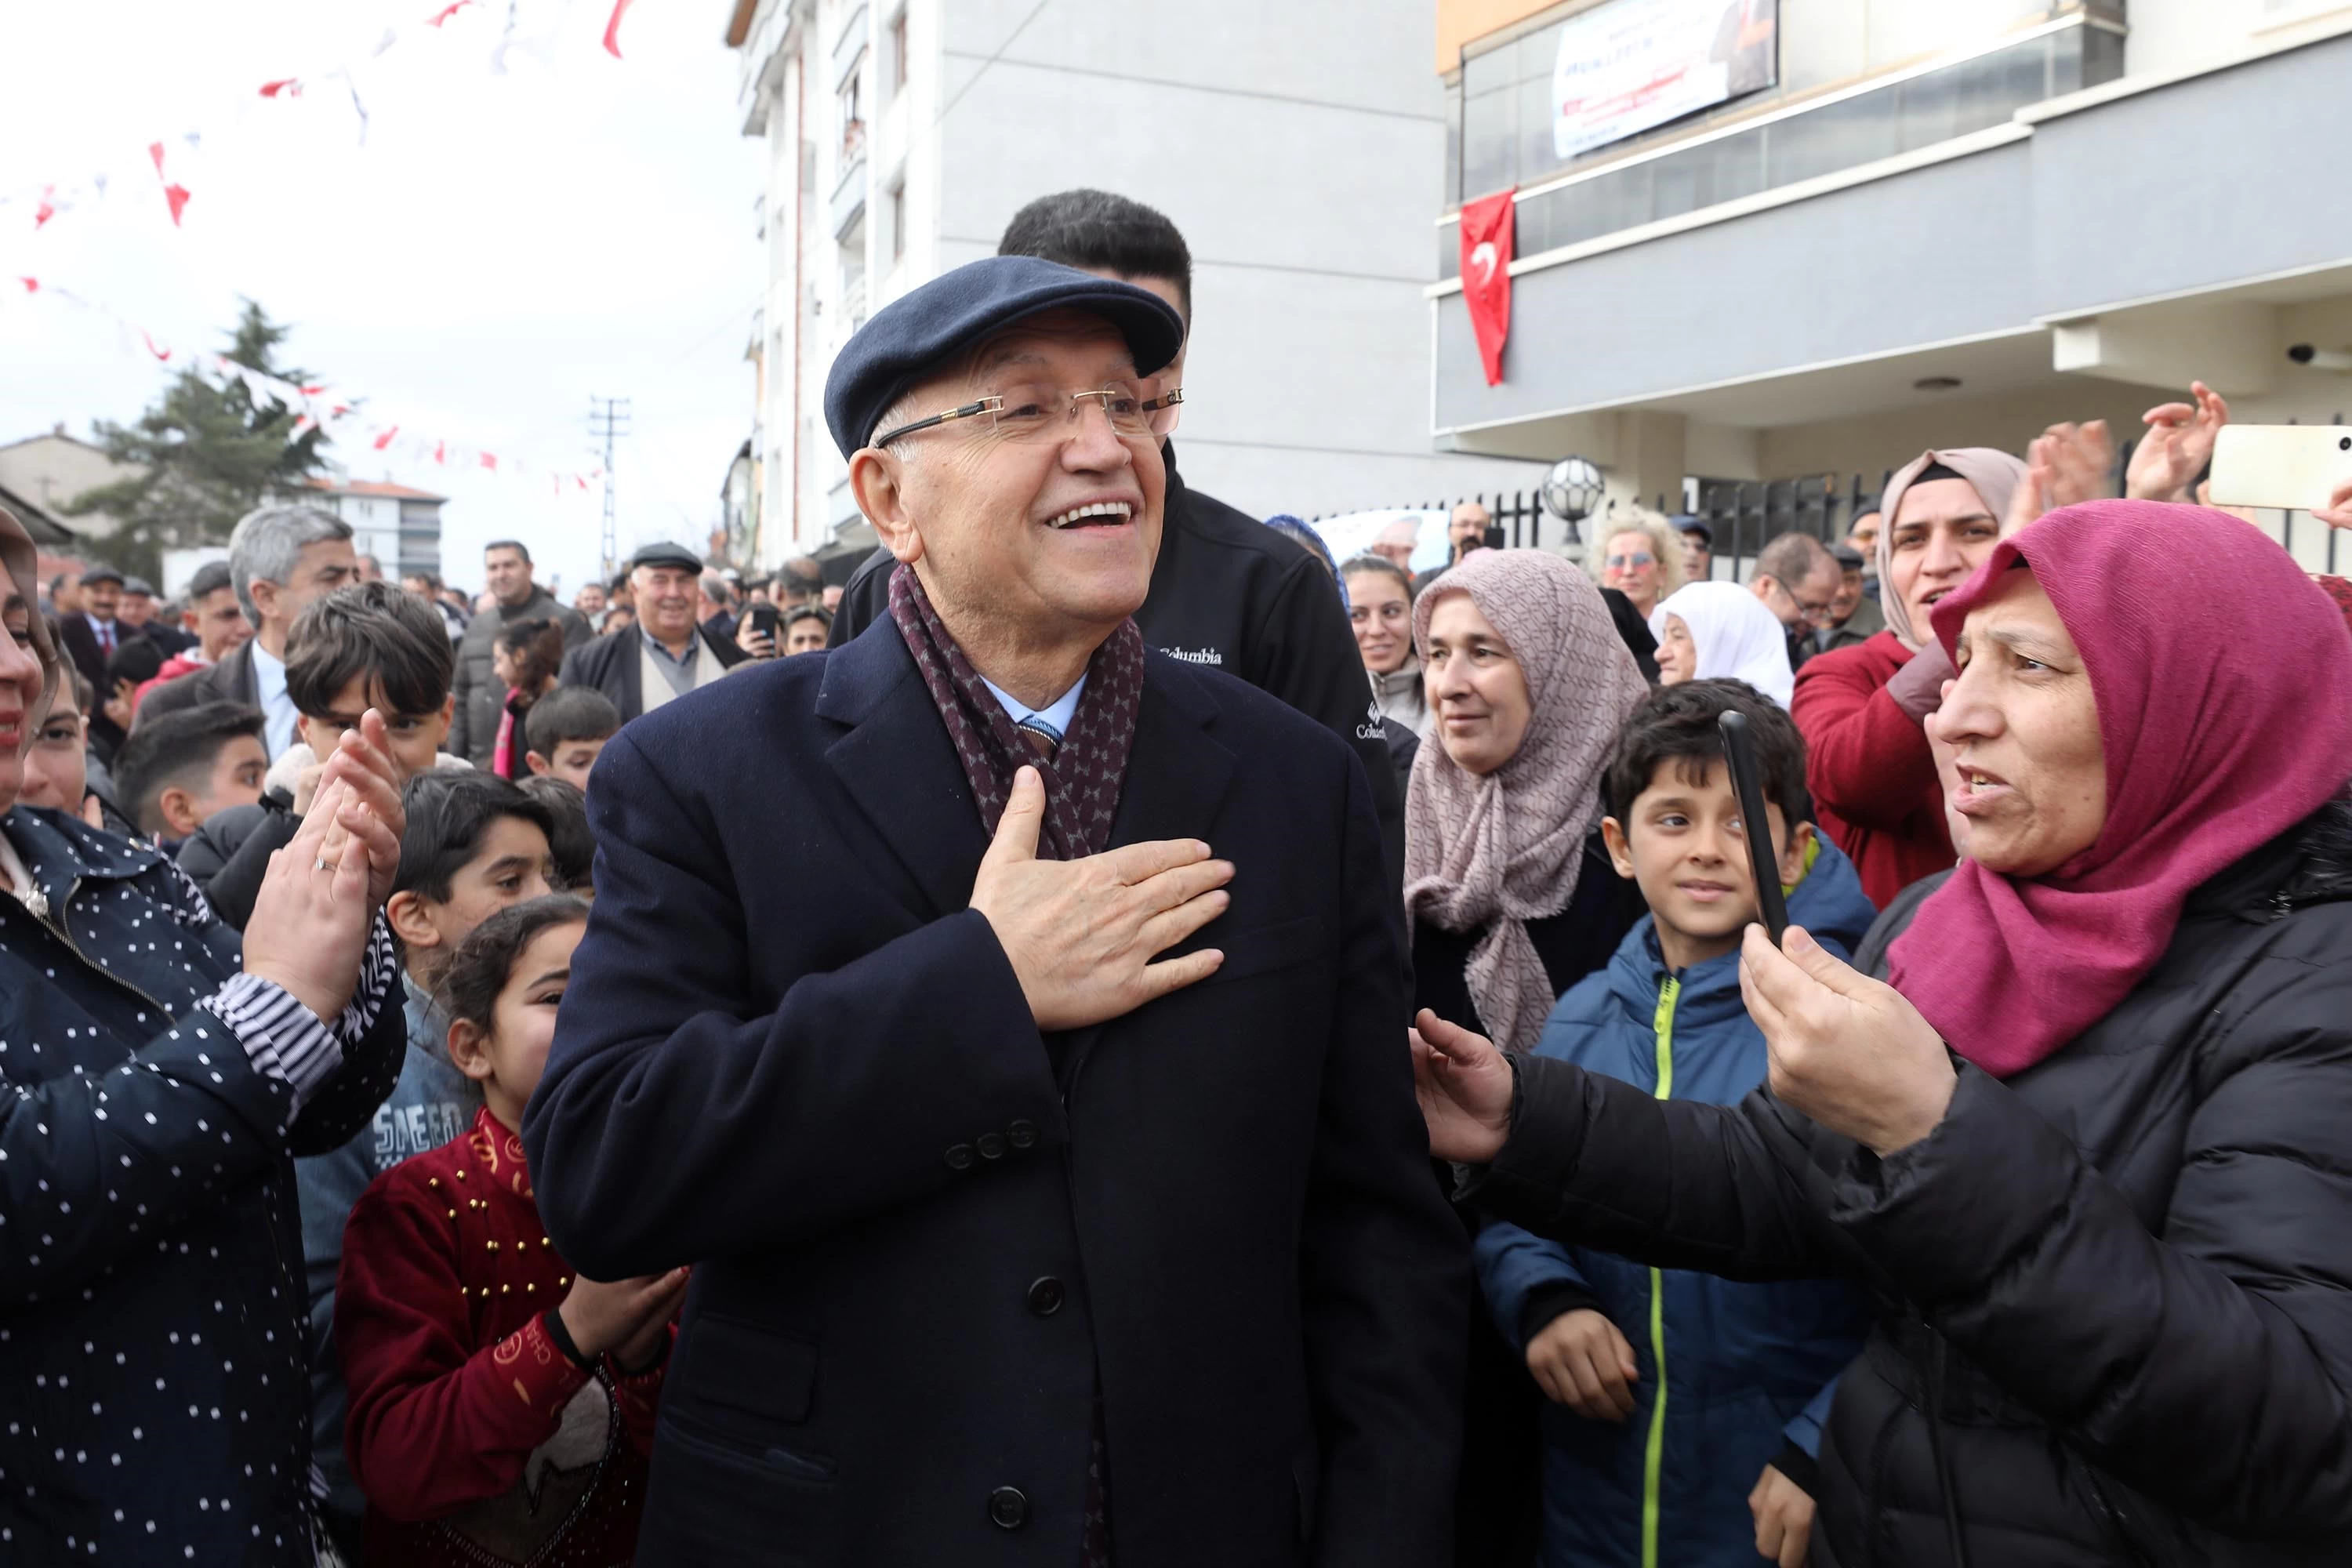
1047, 1046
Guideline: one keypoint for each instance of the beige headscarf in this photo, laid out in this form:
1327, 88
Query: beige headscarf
1994, 474
22, 562
1505, 848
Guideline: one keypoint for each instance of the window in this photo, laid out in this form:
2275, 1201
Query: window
897, 221
898, 47
853, 119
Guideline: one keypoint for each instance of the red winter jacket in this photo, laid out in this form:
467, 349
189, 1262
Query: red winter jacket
1867, 765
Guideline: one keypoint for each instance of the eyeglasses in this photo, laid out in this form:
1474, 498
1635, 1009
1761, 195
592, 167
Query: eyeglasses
1626, 563
1809, 608
1047, 413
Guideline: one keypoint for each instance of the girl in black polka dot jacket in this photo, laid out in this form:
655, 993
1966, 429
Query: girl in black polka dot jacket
154, 1086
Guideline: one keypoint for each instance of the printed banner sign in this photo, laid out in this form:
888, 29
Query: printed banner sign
1631, 65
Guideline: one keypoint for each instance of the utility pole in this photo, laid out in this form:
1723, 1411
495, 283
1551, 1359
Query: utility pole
608, 418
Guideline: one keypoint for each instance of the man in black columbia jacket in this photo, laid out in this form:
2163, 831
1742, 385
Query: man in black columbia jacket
1226, 592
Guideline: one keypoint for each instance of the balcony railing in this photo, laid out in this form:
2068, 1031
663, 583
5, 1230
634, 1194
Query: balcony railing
1687, 174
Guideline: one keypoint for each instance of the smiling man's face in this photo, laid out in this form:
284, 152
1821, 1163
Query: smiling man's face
1043, 539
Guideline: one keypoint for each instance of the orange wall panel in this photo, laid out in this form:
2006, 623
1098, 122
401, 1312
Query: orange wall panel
1460, 22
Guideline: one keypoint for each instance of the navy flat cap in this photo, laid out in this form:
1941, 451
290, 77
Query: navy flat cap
917, 331
666, 554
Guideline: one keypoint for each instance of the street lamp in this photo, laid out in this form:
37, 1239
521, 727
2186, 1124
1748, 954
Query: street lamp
1570, 492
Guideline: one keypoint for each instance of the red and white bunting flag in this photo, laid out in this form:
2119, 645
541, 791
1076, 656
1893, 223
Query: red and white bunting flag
291, 87
161, 354
385, 439
490, 461
446, 12
48, 207
174, 196
612, 28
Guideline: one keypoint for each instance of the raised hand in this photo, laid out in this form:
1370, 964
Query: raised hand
2064, 464
1844, 1050
1081, 934
1464, 1088
2029, 500
362, 761
1581, 1360
2082, 460
2178, 445
312, 918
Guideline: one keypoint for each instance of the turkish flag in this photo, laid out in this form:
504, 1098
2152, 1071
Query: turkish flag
1486, 276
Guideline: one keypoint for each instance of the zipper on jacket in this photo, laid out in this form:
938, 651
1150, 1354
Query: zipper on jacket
56, 922
1654, 1452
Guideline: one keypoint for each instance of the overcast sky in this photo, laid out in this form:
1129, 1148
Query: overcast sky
498, 249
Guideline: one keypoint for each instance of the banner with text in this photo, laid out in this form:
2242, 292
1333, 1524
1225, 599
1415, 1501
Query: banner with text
1630, 65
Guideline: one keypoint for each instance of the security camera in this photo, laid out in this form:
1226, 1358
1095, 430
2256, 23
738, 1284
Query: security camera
2335, 359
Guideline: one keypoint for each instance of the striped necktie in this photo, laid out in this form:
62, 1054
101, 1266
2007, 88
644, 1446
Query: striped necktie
1043, 738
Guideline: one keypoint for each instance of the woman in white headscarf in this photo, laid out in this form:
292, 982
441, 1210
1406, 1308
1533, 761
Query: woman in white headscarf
1720, 631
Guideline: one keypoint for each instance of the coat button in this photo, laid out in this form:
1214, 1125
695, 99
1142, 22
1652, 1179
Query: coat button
1022, 1134
1046, 1296
960, 1157
1008, 1508
991, 1145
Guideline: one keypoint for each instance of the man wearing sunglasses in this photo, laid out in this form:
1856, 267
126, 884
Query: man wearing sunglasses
1226, 592
1054, 1184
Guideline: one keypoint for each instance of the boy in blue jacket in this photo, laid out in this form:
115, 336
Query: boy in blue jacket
1711, 1462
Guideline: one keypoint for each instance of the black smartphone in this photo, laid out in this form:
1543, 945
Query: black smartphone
1739, 753
764, 618
1495, 536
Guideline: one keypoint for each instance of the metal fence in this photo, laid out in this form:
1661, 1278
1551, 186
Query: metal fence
1519, 513
1742, 515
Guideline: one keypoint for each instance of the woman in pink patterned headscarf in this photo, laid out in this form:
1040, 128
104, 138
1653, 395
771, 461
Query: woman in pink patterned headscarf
1509, 890
1511, 897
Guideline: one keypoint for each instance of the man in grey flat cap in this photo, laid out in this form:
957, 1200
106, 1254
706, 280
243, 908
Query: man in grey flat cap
665, 654
1053, 1177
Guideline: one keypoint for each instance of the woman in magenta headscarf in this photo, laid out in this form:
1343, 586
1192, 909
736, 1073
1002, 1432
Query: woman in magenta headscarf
2093, 1148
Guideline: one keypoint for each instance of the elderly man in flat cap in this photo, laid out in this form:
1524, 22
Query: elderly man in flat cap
665, 653
1053, 1179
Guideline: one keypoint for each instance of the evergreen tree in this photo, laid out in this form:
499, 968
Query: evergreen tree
206, 455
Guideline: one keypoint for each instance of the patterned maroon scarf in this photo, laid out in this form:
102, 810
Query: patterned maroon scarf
1083, 780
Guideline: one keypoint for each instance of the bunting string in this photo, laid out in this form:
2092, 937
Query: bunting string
318, 405
52, 198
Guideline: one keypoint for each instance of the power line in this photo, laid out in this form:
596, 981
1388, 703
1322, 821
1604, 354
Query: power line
608, 418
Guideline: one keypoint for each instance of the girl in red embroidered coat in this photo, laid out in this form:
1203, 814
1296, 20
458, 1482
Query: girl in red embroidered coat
501, 1407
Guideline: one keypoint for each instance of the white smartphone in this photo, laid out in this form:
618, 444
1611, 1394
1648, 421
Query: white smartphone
2293, 467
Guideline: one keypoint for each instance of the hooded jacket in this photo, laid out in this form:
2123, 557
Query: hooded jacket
2114, 1323
1750, 1368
